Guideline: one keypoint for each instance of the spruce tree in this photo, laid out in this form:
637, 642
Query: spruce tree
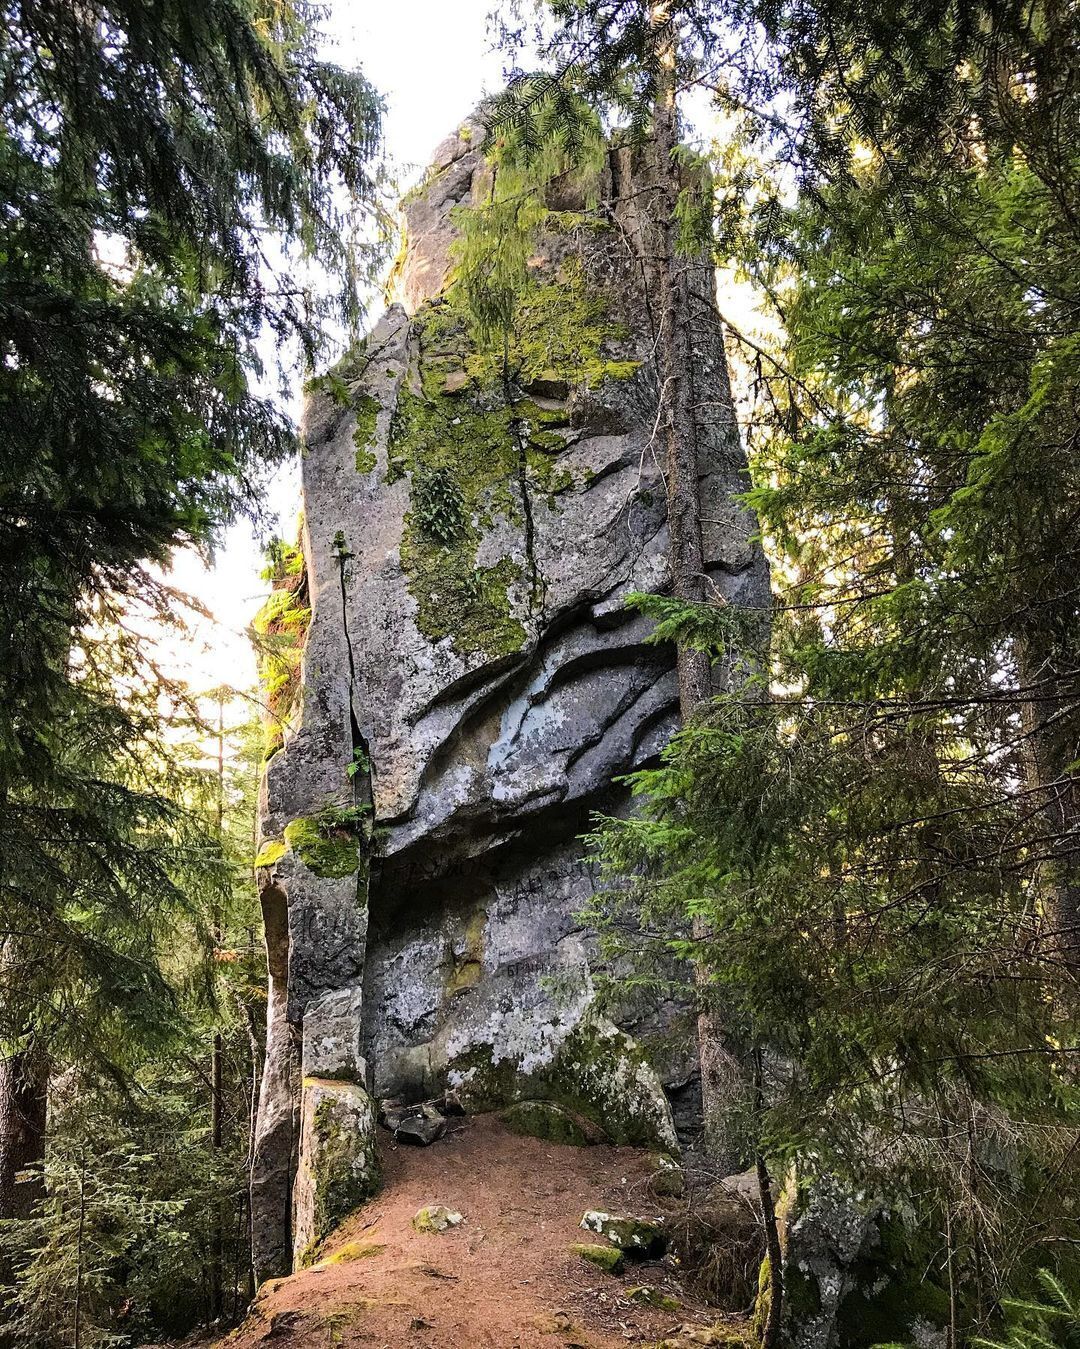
169, 174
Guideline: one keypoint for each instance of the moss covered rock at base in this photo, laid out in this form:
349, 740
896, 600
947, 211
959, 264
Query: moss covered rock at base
594, 1073
653, 1297
338, 1167
639, 1237
552, 1123
608, 1258
436, 1218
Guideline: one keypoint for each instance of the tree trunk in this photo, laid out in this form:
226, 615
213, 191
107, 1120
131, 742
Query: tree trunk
24, 1081
216, 1240
722, 1079
770, 1335
216, 1085
1050, 747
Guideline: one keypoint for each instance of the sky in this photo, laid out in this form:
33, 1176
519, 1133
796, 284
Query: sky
432, 61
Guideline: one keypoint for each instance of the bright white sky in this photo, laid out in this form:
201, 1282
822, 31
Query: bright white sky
432, 61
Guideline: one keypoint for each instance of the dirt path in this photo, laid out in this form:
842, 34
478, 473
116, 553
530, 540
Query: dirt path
503, 1279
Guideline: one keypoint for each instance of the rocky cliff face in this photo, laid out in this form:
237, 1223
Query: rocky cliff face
471, 681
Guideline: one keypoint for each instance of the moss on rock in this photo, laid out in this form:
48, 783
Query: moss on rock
461, 460
668, 1180
339, 1163
366, 408
436, 1218
471, 445
608, 1258
647, 1296
272, 850
326, 848
639, 1237
544, 1119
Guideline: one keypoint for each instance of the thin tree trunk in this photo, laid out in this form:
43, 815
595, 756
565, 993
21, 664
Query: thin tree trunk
721, 1076
1050, 748
79, 1251
770, 1337
216, 1096
216, 1242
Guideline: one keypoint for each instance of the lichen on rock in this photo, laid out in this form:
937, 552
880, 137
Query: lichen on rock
338, 1164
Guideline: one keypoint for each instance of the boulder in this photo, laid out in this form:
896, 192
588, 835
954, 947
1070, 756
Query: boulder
436, 1218
420, 1130
608, 1258
417, 1125
641, 1238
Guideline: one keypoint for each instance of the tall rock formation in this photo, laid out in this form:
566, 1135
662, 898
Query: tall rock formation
471, 681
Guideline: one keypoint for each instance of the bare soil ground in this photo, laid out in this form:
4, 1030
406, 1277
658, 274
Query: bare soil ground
504, 1279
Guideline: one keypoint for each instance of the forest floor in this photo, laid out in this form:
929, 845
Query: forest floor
505, 1278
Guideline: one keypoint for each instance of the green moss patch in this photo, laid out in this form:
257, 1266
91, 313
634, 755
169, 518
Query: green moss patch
544, 1119
367, 411
462, 461
273, 850
354, 1250
607, 1258
470, 445
325, 848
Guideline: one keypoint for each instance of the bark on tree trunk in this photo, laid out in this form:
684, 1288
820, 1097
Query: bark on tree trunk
1050, 748
24, 1080
722, 1080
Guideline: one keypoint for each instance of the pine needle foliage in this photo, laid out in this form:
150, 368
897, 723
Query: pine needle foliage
166, 171
171, 176
1050, 1322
